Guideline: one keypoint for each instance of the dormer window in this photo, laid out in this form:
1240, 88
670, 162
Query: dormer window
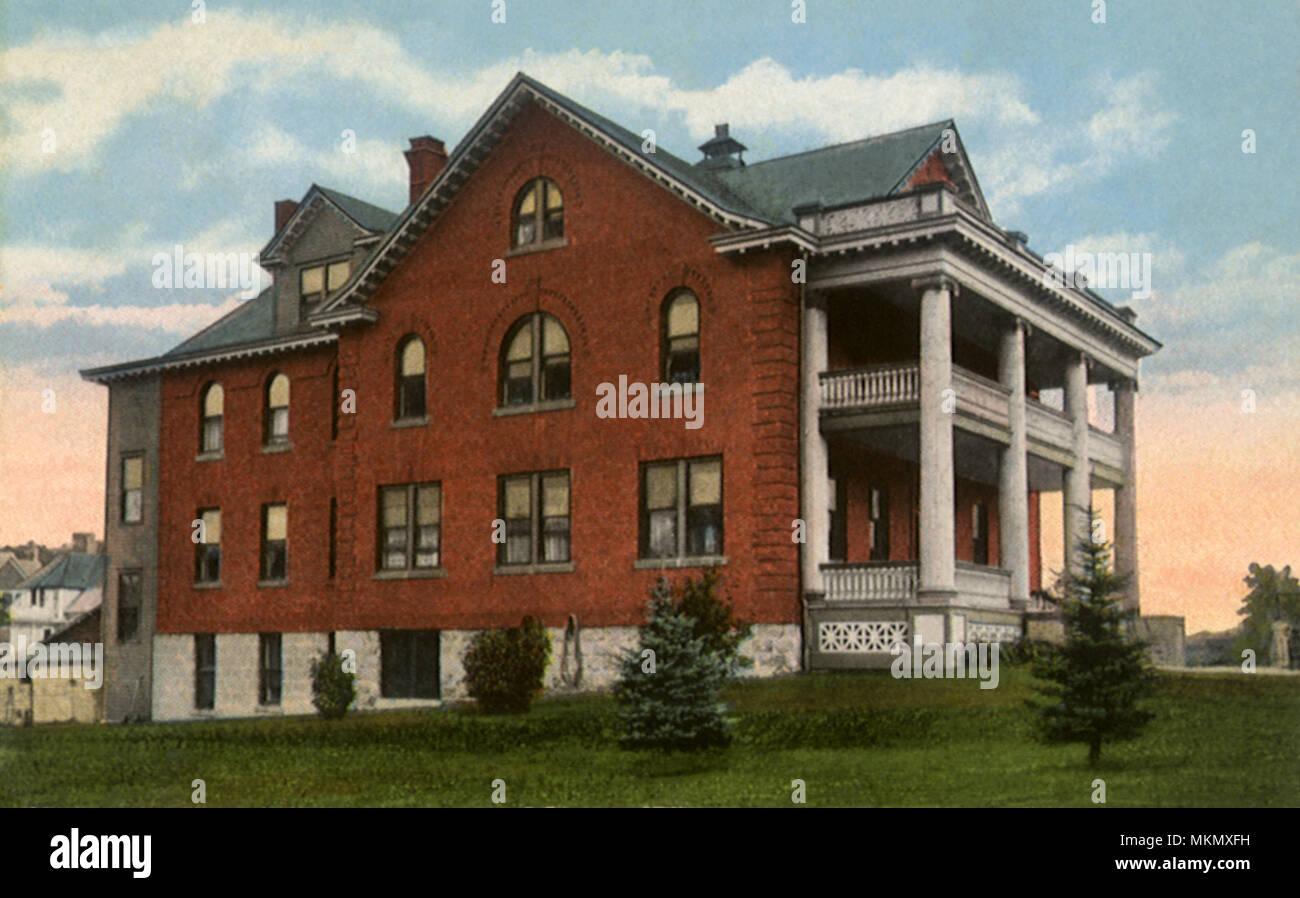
318, 281
538, 217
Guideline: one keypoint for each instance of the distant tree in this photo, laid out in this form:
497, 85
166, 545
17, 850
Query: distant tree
1096, 679
1274, 595
669, 687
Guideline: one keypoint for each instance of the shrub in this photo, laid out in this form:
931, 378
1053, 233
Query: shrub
669, 687
714, 617
333, 686
504, 669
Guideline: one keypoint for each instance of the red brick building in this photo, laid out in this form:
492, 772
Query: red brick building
439, 421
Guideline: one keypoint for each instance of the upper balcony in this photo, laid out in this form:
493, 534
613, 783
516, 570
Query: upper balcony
889, 395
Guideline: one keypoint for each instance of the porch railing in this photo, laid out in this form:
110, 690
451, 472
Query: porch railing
879, 581
876, 385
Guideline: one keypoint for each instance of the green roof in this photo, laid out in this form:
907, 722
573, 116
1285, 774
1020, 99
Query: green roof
372, 218
76, 570
831, 176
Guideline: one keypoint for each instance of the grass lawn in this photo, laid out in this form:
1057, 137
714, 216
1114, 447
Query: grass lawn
853, 738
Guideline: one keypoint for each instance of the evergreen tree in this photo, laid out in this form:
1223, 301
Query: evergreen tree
1096, 679
1274, 595
669, 687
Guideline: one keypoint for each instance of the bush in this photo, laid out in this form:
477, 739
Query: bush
714, 618
1024, 652
333, 686
504, 669
669, 687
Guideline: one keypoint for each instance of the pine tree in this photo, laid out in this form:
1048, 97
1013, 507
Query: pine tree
1096, 679
669, 687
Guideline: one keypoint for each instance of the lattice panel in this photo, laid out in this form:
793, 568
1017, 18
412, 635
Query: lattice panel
860, 636
991, 633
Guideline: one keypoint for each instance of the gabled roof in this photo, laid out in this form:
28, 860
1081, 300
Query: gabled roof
753, 196
27, 566
840, 174
366, 216
75, 570
248, 322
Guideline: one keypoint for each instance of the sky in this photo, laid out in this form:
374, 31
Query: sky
1168, 129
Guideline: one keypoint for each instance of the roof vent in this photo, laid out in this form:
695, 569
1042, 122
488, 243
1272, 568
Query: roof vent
722, 150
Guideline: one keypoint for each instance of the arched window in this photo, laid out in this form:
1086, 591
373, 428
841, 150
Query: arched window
277, 410
214, 401
538, 215
410, 378
681, 338
529, 375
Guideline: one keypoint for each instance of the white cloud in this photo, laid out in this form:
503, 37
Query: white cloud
175, 318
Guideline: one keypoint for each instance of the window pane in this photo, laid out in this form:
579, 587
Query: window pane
528, 205
413, 357
132, 473
683, 316
555, 378
661, 487
518, 542
277, 522
554, 199
517, 503
134, 505
214, 401
428, 505
555, 495
313, 280
338, 274
212, 526
663, 534
278, 396
554, 340
427, 546
394, 507
706, 482
279, 423
212, 434
521, 345
704, 530
555, 539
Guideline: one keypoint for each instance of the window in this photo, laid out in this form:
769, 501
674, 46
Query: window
318, 281
207, 554
270, 672
408, 663
275, 542
538, 214
980, 533
535, 508
410, 527
681, 338
128, 605
529, 376
837, 491
879, 512
205, 670
410, 379
277, 410
681, 508
133, 489
214, 400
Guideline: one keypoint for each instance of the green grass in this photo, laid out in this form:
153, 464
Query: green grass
854, 738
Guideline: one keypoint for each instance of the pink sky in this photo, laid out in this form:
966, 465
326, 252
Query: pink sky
1217, 487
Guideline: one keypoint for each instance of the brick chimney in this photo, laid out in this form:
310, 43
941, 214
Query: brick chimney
83, 542
284, 210
426, 158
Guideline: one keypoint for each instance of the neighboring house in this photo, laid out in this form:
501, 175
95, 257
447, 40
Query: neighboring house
14, 569
407, 438
68, 587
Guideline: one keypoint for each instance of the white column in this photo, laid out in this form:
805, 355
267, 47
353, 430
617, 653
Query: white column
1013, 474
938, 531
1077, 503
814, 494
1126, 553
